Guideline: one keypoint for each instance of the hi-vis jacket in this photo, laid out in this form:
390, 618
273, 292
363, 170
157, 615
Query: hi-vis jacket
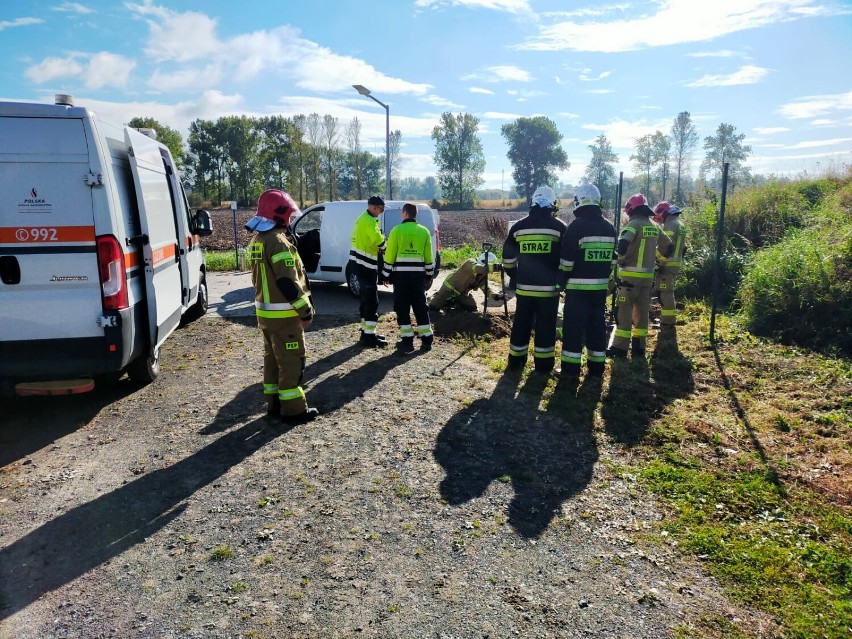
280, 286
676, 232
641, 245
409, 251
367, 239
588, 251
532, 252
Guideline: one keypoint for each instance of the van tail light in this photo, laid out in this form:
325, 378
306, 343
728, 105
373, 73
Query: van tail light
113, 276
438, 239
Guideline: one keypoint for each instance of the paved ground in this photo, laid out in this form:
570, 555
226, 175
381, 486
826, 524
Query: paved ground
231, 295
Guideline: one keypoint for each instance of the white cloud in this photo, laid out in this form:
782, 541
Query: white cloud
190, 37
509, 6
748, 74
675, 22
435, 100
585, 77
583, 13
500, 73
623, 134
73, 7
19, 22
769, 130
599, 91
108, 69
52, 68
496, 115
722, 53
814, 105
186, 79
813, 144
480, 90
568, 115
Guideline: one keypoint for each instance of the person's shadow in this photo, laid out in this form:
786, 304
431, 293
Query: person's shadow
90, 534
336, 391
546, 457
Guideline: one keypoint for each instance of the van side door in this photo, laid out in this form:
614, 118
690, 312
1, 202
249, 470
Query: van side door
160, 236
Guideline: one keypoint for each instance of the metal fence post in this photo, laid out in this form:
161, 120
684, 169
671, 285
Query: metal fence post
717, 269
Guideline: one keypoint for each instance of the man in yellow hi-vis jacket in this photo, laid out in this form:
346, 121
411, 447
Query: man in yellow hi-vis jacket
641, 245
282, 304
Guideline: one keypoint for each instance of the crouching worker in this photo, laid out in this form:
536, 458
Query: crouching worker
471, 275
282, 304
409, 265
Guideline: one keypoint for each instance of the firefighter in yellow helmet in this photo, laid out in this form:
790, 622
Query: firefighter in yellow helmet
641, 245
282, 304
667, 216
471, 275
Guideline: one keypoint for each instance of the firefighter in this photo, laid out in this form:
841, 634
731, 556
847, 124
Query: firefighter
667, 216
282, 304
368, 242
586, 262
641, 245
471, 275
531, 255
409, 265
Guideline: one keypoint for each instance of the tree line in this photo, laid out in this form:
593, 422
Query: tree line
318, 158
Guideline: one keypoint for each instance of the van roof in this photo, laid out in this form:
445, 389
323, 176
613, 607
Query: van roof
32, 109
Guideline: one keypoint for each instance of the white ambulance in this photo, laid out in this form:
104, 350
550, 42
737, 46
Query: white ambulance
99, 252
324, 234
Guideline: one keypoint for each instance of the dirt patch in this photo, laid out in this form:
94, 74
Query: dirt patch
470, 324
431, 498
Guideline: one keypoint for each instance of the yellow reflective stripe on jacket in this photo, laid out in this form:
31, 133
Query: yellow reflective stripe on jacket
283, 256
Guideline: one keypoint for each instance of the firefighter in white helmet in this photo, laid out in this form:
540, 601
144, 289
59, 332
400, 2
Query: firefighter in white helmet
282, 304
471, 275
667, 216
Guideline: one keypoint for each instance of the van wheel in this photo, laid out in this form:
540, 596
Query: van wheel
352, 282
197, 310
145, 368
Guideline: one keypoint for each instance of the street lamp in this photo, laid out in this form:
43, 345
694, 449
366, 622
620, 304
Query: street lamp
365, 91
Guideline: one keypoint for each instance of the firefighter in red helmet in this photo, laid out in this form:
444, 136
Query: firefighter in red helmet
641, 245
282, 304
667, 216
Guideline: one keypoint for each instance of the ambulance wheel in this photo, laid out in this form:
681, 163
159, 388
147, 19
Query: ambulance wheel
197, 310
145, 368
352, 282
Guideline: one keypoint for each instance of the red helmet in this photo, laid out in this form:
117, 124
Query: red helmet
662, 208
635, 201
277, 206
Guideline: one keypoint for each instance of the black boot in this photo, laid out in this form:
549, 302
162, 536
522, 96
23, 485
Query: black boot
426, 343
273, 405
302, 418
370, 340
613, 352
405, 346
637, 349
515, 363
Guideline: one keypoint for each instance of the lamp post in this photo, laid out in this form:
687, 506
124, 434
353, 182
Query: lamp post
365, 91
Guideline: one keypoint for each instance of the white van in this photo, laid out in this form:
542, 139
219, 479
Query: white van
324, 235
99, 253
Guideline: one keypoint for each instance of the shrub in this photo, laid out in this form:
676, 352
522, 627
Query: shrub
800, 290
763, 215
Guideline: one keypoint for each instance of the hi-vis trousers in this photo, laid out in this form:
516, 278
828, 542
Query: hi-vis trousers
284, 363
632, 299
665, 284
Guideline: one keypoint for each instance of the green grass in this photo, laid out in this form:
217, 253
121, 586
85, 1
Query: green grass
220, 260
454, 257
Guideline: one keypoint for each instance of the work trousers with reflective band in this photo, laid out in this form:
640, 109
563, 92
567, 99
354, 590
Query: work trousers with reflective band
538, 313
665, 284
584, 322
632, 315
369, 296
409, 294
284, 363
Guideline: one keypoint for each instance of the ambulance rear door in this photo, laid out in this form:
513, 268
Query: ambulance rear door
159, 238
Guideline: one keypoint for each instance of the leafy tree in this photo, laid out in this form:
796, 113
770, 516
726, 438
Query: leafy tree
727, 146
534, 152
372, 175
208, 152
395, 159
459, 157
661, 147
355, 157
601, 169
313, 129
276, 151
331, 140
684, 137
165, 134
643, 160
242, 145
300, 122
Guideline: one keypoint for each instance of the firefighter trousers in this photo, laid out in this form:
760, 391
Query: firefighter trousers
537, 313
633, 300
665, 284
584, 322
284, 363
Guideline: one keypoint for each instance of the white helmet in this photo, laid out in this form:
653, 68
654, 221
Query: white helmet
491, 258
544, 197
586, 194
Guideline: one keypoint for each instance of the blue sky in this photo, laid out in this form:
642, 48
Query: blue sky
778, 70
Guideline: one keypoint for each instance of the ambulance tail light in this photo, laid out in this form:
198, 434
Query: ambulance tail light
111, 271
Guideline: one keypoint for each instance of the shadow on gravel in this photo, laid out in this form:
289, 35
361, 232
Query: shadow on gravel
336, 391
638, 393
90, 534
548, 457
29, 424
